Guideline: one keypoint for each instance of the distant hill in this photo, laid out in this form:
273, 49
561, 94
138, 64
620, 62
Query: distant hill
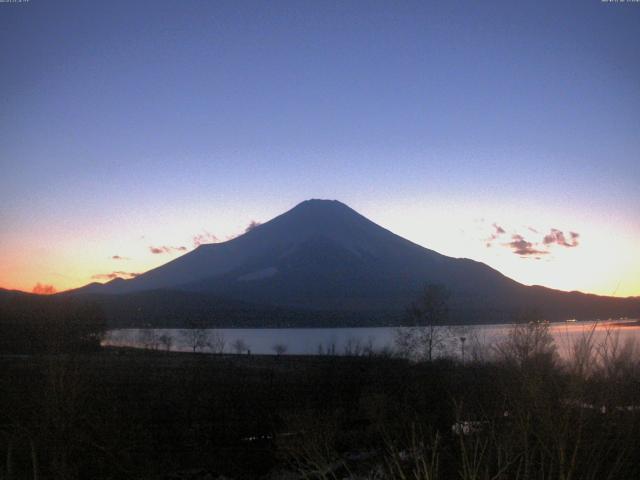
323, 263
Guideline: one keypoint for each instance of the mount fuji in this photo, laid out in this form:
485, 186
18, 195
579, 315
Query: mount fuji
323, 263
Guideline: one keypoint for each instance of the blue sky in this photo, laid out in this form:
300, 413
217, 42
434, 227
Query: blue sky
129, 123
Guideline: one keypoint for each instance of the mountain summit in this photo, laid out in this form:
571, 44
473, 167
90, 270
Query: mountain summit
324, 256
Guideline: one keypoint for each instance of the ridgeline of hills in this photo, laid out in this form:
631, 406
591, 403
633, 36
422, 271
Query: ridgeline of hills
323, 264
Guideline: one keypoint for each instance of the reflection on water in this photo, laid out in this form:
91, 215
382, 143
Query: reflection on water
313, 341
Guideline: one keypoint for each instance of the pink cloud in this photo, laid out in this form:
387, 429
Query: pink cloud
43, 289
497, 232
204, 238
558, 237
166, 249
112, 275
522, 247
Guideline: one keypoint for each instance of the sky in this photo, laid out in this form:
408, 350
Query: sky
505, 132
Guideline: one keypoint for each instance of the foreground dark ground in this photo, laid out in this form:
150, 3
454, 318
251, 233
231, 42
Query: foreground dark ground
151, 414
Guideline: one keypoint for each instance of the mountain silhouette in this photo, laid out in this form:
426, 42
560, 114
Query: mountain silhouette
322, 256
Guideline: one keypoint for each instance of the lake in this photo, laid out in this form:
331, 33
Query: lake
314, 341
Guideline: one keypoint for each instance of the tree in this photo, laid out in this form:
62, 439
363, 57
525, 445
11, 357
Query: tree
353, 348
166, 340
217, 342
195, 338
529, 342
148, 338
239, 346
279, 349
427, 317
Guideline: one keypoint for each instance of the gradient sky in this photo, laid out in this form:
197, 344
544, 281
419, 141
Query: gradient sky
127, 127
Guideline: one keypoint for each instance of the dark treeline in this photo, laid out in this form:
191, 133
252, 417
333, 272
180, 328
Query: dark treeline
176, 309
180, 309
45, 324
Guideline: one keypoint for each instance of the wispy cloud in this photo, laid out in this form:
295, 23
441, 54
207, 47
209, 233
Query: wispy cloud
166, 249
204, 238
558, 237
498, 231
112, 275
524, 248
43, 289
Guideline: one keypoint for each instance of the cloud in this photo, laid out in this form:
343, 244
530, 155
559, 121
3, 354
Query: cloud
204, 238
44, 289
112, 275
522, 247
558, 237
497, 232
165, 249
119, 257
253, 224
528, 248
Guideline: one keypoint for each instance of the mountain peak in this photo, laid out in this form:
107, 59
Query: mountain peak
317, 216
321, 204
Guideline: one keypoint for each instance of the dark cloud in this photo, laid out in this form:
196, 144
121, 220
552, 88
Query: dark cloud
524, 248
497, 232
43, 289
119, 257
165, 249
558, 237
253, 224
204, 238
112, 275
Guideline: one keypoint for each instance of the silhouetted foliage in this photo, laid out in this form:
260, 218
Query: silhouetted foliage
519, 413
122, 414
34, 324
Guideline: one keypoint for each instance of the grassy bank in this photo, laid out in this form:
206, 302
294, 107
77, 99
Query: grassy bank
121, 413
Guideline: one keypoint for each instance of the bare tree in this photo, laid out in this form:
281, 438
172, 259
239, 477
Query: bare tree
428, 317
217, 342
279, 349
166, 341
148, 338
614, 357
196, 338
529, 341
352, 348
239, 346
406, 341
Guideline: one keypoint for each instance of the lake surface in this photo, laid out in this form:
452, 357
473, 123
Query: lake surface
339, 341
